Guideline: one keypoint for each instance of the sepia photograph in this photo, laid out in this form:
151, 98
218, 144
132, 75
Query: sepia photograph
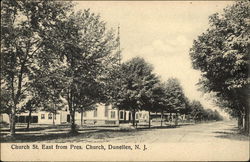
124, 80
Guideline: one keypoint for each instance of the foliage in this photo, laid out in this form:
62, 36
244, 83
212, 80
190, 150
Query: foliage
158, 99
136, 86
222, 55
198, 112
137, 82
87, 49
175, 98
24, 34
4, 102
48, 84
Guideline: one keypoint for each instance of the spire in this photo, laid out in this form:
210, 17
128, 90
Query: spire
119, 45
119, 62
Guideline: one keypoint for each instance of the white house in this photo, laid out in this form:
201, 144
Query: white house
102, 115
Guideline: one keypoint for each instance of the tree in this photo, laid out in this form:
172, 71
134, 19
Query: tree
5, 102
175, 98
86, 48
48, 84
199, 113
25, 26
137, 81
83, 108
31, 105
197, 110
222, 55
158, 100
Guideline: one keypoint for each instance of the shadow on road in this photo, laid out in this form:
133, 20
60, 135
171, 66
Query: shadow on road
62, 135
232, 134
39, 137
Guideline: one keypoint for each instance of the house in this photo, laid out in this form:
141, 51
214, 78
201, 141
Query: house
102, 115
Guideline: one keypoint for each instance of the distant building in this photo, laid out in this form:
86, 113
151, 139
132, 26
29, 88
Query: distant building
102, 115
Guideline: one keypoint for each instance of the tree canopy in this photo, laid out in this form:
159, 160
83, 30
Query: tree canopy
175, 97
199, 113
24, 35
59, 52
137, 83
86, 47
222, 55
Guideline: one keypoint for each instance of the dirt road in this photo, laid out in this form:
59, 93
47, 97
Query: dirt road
224, 131
212, 141
203, 142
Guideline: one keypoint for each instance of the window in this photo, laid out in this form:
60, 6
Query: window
106, 110
21, 119
112, 114
42, 116
34, 119
95, 113
49, 116
121, 114
136, 116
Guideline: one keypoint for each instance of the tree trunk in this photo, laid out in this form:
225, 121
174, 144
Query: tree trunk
13, 125
176, 119
81, 116
243, 122
149, 120
54, 114
29, 118
53, 118
72, 110
240, 121
9, 119
72, 116
246, 125
73, 125
13, 122
133, 115
161, 117
170, 118
118, 116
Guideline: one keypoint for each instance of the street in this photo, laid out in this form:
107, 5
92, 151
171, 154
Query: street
205, 132
213, 141
205, 141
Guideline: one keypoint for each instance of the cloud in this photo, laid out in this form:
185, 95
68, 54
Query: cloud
160, 48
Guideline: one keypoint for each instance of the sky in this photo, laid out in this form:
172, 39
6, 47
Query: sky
162, 32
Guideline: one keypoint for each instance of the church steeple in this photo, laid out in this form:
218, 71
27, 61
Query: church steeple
119, 44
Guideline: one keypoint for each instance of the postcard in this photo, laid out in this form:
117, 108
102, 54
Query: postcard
124, 81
